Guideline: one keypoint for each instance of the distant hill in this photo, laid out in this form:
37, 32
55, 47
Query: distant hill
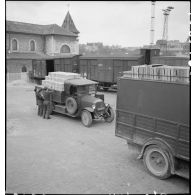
98, 49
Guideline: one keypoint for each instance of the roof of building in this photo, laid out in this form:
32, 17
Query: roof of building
36, 56
69, 25
51, 29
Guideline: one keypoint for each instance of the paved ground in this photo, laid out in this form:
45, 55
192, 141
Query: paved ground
60, 155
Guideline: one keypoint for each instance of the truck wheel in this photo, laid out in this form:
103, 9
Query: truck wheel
71, 105
156, 162
110, 118
86, 118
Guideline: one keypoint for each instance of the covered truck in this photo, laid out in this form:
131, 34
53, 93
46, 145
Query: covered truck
153, 115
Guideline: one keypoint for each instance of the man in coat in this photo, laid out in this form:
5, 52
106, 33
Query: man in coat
47, 103
39, 100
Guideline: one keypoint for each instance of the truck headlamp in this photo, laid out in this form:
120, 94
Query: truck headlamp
93, 106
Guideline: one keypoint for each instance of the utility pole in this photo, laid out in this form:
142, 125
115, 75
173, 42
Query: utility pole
152, 23
166, 13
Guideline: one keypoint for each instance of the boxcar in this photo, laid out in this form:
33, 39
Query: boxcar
154, 117
106, 70
41, 67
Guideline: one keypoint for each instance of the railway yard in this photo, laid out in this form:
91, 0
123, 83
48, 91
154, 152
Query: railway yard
61, 155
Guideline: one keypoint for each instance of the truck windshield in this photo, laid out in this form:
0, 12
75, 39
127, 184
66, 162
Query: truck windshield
86, 89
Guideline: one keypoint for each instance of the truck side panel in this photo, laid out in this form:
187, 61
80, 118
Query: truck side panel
154, 109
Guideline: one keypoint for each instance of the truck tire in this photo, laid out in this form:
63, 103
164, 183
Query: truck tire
157, 162
110, 118
86, 118
71, 105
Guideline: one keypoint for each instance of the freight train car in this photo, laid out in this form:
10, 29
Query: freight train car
103, 69
41, 67
106, 70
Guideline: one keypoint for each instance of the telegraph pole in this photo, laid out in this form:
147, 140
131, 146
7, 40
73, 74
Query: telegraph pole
166, 13
152, 29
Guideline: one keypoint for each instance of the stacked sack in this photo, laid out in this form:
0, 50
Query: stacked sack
160, 72
56, 80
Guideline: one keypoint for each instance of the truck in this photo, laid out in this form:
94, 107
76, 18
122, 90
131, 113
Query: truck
77, 97
154, 118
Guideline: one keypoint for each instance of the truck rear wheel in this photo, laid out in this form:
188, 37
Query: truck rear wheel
110, 118
71, 105
86, 118
157, 162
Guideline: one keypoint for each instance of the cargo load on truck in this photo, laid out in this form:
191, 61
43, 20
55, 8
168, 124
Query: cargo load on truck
56, 80
160, 72
153, 115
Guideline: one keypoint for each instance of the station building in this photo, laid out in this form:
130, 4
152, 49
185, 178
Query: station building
25, 42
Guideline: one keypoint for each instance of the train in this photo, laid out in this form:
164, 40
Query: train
103, 69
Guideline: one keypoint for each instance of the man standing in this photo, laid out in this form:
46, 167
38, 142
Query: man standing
39, 100
47, 103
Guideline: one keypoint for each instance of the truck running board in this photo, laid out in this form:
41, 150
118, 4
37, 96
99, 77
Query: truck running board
62, 110
183, 173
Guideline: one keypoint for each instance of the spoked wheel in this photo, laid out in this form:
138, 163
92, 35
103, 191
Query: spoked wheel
71, 105
110, 117
157, 162
86, 118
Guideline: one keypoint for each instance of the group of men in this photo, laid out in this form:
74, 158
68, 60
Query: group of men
44, 101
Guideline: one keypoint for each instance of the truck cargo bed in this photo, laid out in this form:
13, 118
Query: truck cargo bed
154, 109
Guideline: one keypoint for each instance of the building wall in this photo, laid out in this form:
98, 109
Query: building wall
72, 42
15, 66
7, 41
24, 42
49, 44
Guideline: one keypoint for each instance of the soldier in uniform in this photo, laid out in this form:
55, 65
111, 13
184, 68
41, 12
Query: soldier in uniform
47, 103
39, 100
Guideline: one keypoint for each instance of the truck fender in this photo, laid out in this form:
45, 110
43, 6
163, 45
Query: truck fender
89, 109
162, 144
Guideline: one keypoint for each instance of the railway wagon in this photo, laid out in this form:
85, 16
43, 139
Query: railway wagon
170, 60
106, 70
155, 120
41, 67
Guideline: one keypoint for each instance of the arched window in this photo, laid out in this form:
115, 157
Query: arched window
24, 69
65, 49
32, 45
14, 45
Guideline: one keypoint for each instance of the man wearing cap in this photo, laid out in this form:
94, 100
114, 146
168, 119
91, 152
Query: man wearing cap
47, 103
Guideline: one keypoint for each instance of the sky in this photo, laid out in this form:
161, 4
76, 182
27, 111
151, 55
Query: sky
124, 23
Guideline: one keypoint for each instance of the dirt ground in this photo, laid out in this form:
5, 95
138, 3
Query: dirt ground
60, 155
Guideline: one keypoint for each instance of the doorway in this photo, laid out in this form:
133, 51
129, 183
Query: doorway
49, 66
147, 56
